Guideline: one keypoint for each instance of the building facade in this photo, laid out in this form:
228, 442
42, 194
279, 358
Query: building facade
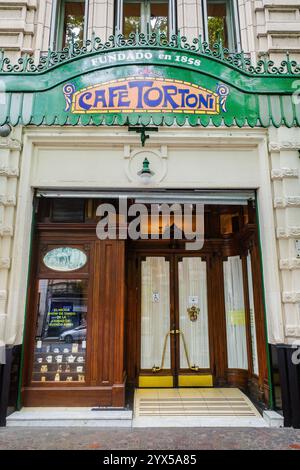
200, 98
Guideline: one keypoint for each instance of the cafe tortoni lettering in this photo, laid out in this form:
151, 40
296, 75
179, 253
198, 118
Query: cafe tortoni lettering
145, 94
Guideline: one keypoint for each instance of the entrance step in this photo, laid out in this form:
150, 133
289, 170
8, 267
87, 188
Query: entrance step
59, 417
194, 407
274, 419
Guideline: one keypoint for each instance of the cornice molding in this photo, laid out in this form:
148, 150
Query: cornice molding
288, 232
291, 297
281, 173
289, 201
289, 263
292, 330
9, 172
285, 145
6, 200
3, 294
4, 263
6, 230
10, 144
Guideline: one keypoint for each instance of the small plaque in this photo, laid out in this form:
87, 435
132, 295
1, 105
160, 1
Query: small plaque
155, 297
193, 300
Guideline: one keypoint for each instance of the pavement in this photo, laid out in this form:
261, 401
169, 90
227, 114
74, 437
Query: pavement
76, 438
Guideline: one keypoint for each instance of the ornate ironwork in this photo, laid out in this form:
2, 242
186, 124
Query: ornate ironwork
239, 61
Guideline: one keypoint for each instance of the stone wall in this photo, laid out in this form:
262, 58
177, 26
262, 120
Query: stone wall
10, 149
284, 148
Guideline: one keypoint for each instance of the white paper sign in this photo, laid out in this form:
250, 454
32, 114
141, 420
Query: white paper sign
193, 300
155, 296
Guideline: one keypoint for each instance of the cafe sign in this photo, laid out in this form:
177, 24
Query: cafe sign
148, 81
146, 94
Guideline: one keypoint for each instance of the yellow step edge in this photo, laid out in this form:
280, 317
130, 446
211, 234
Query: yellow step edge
195, 381
156, 381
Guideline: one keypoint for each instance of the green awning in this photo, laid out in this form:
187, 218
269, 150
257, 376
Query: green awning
148, 81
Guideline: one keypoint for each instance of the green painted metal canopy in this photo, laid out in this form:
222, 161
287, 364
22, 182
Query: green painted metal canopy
148, 80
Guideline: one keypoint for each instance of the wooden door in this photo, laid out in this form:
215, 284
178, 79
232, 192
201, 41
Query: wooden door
174, 332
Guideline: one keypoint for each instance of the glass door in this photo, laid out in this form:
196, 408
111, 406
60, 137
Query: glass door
174, 323
156, 360
193, 336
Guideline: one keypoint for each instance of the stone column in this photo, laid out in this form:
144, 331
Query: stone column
284, 150
101, 18
189, 19
10, 148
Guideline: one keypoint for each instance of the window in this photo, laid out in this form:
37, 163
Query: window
60, 341
69, 25
145, 16
221, 23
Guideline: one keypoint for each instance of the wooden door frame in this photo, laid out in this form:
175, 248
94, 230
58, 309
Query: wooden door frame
174, 257
105, 372
140, 372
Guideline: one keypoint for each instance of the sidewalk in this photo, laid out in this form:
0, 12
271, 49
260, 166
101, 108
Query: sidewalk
153, 438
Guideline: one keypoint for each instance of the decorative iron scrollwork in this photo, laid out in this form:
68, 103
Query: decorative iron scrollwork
240, 60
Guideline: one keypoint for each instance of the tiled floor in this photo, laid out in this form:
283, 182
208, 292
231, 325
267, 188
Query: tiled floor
194, 407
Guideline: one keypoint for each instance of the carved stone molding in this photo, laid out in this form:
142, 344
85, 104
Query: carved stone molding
289, 232
281, 173
7, 200
290, 263
291, 297
286, 145
11, 144
292, 330
9, 172
6, 230
3, 294
4, 263
289, 201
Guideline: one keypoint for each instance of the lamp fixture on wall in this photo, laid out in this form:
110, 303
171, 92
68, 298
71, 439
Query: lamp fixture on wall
5, 130
145, 173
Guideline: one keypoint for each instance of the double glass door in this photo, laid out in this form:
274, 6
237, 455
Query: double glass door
174, 348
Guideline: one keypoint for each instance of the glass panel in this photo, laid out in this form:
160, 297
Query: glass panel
217, 24
132, 17
155, 313
60, 347
159, 17
145, 17
73, 22
235, 313
252, 317
193, 318
65, 259
68, 210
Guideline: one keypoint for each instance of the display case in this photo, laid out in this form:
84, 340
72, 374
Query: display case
60, 342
